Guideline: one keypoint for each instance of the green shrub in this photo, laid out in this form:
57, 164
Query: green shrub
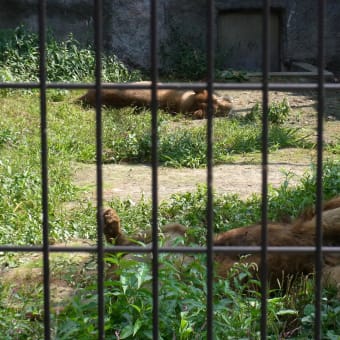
185, 61
232, 75
65, 60
277, 113
182, 308
188, 61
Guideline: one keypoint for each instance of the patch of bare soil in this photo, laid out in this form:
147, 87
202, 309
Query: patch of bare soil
303, 103
134, 181
303, 106
65, 270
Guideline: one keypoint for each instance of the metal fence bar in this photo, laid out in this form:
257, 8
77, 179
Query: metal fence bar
177, 249
98, 13
264, 215
44, 166
154, 153
318, 250
319, 172
210, 218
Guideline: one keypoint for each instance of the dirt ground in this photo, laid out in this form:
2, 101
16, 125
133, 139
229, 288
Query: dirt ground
303, 103
128, 181
134, 181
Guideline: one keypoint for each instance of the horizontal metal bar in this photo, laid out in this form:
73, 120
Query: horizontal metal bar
32, 249
185, 249
175, 85
35, 85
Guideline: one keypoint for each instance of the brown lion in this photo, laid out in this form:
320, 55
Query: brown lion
191, 103
300, 232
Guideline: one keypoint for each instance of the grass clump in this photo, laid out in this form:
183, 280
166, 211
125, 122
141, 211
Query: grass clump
65, 60
127, 137
20, 172
277, 113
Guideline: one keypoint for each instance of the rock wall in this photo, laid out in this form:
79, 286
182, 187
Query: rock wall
63, 17
128, 30
126, 25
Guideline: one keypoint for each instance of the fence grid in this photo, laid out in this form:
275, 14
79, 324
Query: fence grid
210, 85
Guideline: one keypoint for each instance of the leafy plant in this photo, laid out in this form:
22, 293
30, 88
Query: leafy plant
334, 147
232, 75
185, 61
65, 60
182, 304
277, 113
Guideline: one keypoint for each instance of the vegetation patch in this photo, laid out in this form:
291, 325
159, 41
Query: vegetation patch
65, 60
126, 137
128, 300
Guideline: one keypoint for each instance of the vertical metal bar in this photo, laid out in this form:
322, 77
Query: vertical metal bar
100, 246
319, 186
209, 236
154, 152
264, 231
44, 166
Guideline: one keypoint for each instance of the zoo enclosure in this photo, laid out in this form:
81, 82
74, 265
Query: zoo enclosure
210, 85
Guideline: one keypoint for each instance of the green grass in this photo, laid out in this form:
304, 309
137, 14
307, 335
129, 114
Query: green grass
71, 137
182, 288
126, 137
183, 292
71, 132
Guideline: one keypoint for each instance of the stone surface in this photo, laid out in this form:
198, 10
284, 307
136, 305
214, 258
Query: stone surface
126, 25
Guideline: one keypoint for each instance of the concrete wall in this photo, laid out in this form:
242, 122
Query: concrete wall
239, 36
63, 16
127, 27
299, 27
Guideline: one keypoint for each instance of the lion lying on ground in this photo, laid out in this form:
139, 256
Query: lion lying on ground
300, 232
192, 103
